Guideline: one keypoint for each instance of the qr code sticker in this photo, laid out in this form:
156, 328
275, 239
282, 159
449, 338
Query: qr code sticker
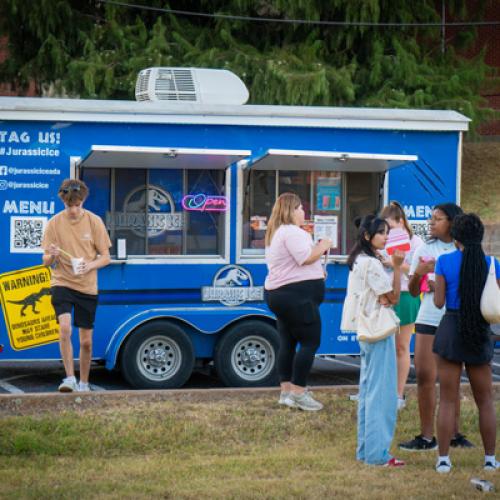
26, 234
421, 228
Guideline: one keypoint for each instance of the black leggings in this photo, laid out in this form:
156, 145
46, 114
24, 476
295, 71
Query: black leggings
296, 307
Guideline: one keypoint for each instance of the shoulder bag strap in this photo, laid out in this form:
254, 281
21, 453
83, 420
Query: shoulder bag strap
362, 299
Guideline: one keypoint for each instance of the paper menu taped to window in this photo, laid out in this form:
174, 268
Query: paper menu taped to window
326, 226
398, 239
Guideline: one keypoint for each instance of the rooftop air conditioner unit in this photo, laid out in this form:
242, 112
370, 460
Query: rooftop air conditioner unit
192, 85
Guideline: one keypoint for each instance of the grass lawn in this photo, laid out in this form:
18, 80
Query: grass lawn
244, 447
480, 173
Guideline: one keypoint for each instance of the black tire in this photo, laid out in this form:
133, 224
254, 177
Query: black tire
159, 355
245, 356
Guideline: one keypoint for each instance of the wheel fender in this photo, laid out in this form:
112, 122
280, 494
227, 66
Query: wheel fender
208, 320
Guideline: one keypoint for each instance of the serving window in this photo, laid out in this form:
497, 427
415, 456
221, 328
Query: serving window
162, 201
334, 188
331, 201
161, 211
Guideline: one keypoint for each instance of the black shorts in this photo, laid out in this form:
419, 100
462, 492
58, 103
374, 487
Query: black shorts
449, 344
64, 300
425, 329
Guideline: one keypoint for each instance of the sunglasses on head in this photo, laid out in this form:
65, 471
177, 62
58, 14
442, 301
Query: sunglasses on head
71, 188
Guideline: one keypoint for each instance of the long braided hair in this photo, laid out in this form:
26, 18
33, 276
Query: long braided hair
468, 230
369, 226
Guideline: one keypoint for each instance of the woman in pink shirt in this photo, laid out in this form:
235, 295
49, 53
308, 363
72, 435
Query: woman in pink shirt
294, 289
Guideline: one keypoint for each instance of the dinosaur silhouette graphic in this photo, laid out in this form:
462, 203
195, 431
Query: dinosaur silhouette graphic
31, 300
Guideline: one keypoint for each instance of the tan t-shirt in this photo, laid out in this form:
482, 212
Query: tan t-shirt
86, 237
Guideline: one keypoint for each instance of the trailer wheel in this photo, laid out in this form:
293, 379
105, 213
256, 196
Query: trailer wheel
246, 355
158, 355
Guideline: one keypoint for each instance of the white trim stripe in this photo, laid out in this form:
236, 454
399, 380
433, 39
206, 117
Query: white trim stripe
87, 110
10, 388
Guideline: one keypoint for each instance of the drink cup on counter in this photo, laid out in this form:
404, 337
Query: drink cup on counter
76, 263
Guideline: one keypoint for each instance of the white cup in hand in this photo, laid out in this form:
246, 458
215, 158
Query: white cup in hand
76, 263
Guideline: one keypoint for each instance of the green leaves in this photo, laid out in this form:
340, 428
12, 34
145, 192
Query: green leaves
96, 50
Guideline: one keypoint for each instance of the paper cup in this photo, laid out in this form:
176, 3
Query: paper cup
76, 263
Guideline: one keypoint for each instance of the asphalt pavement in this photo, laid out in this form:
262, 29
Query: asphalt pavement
45, 376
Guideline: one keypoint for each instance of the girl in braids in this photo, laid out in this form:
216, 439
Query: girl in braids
464, 337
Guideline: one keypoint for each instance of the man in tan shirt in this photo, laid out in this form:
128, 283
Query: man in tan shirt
75, 244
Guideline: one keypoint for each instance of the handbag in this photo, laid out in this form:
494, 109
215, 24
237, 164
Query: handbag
490, 298
381, 323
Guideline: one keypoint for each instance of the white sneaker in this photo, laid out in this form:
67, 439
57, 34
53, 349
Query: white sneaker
304, 401
284, 398
68, 385
443, 467
491, 466
401, 403
83, 387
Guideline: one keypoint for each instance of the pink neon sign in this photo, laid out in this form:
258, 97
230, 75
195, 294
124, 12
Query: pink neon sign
205, 203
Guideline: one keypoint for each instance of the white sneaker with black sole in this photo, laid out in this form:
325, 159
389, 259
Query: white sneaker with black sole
491, 466
443, 466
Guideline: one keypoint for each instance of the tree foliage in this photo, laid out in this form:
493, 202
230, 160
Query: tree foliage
90, 49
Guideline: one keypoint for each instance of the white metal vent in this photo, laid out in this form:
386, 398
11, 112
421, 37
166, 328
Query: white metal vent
196, 85
141, 86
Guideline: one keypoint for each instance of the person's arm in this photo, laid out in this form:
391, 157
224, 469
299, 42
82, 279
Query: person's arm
50, 256
439, 291
393, 296
318, 250
50, 250
405, 267
423, 268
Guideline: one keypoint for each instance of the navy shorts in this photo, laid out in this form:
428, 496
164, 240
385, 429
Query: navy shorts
425, 329
66, 300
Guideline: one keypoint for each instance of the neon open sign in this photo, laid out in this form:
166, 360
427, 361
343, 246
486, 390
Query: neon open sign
205, 203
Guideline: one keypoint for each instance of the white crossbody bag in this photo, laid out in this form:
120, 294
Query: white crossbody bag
381, 323
490, 298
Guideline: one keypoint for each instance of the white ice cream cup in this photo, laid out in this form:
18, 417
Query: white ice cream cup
76, 262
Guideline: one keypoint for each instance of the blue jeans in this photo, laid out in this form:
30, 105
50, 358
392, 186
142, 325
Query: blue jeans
378, 400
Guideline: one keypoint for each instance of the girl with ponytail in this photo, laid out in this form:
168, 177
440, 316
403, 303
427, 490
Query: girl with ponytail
408, 306
463, 336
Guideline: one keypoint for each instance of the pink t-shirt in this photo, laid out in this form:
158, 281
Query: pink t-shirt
290, 247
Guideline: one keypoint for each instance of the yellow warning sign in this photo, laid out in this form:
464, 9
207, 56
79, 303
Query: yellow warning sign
27, 308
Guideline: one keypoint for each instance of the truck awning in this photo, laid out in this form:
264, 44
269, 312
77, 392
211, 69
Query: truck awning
152, 157
289, 159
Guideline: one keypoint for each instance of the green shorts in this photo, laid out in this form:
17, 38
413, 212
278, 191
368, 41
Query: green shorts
407, 309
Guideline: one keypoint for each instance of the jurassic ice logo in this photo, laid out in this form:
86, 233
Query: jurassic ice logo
232, 286
146, 210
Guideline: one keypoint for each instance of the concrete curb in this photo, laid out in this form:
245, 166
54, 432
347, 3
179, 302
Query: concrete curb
34, 404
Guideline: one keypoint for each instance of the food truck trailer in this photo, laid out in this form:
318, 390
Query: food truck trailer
185, 183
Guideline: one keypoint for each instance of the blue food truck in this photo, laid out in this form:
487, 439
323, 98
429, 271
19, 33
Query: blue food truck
185, 183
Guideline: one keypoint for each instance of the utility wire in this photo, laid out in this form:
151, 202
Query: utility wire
299, 21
